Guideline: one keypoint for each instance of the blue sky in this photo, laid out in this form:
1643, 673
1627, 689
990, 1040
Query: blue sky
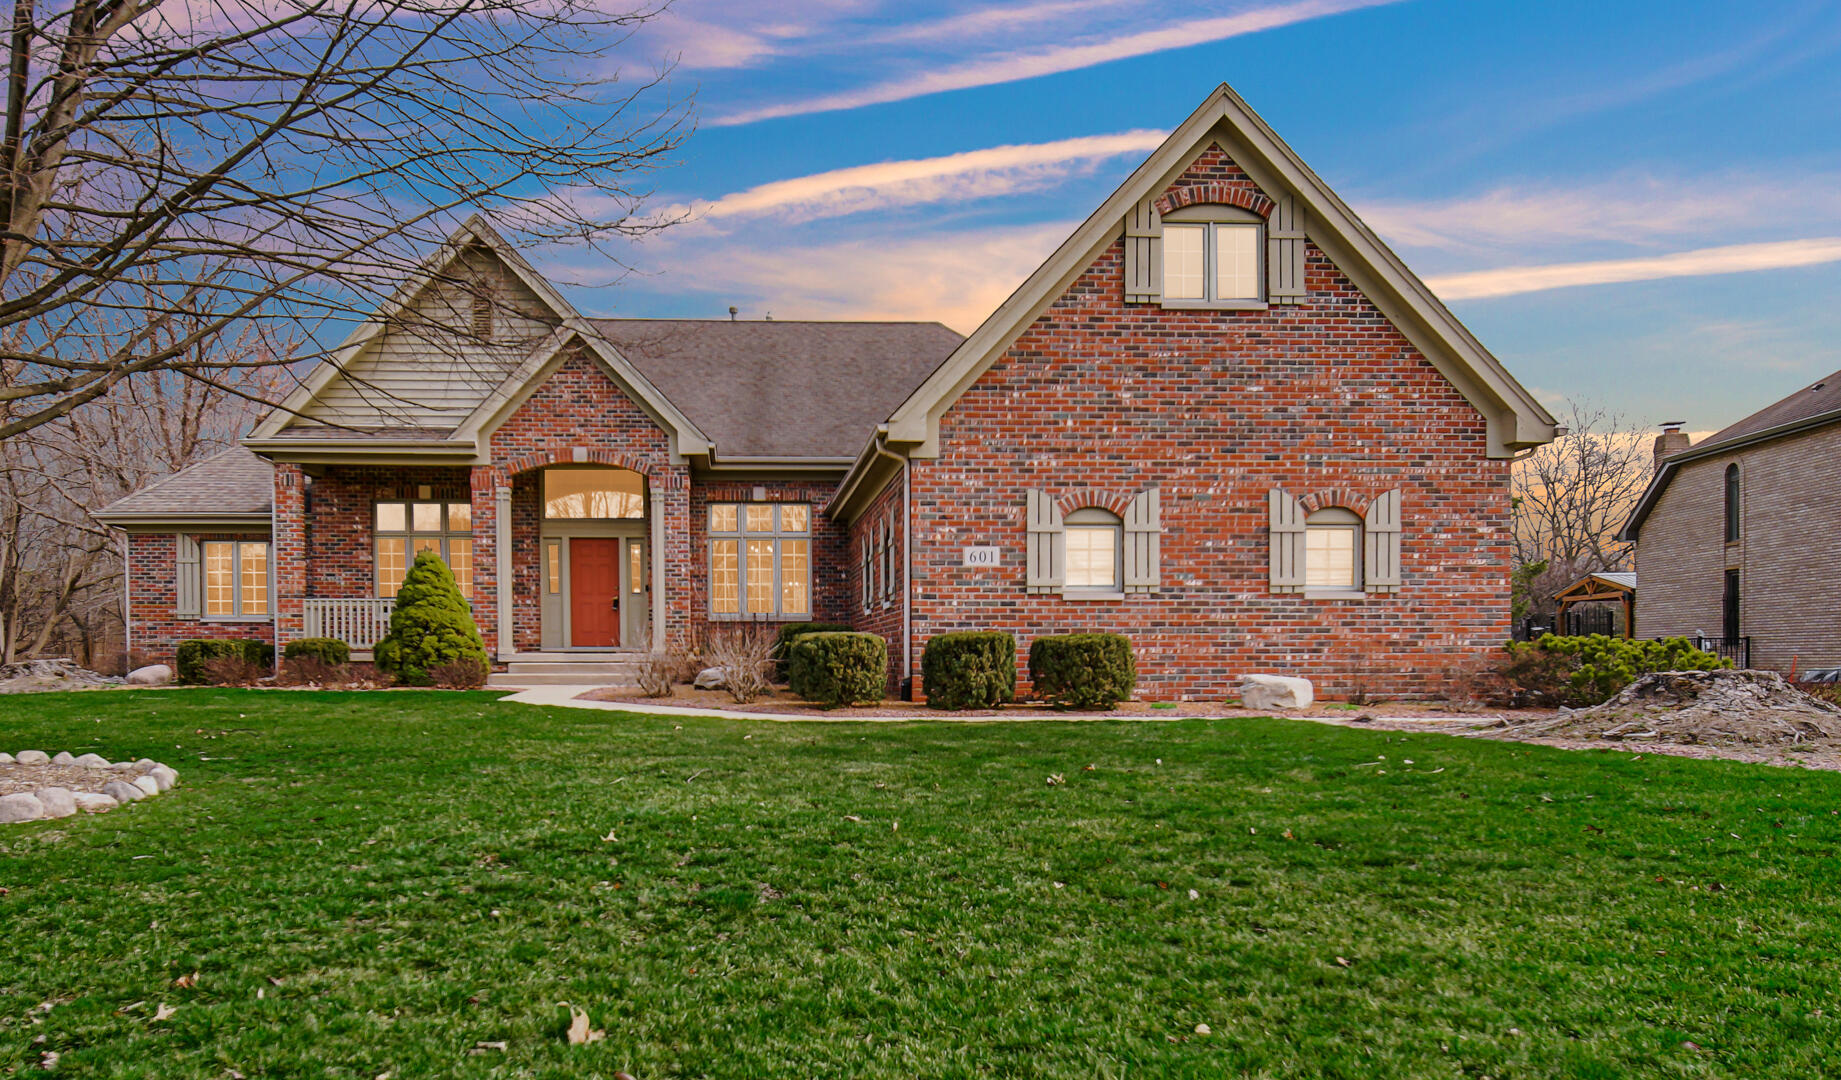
1674, 168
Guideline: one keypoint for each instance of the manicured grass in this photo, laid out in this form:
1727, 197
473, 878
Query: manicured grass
378, 883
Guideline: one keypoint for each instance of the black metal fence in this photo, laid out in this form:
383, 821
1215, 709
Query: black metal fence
1738, 650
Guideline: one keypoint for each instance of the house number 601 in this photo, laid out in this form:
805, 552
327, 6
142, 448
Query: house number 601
982, 556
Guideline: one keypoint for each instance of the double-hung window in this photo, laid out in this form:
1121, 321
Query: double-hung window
1094, 548
235, 579
1208, 262
406, 529
760, 560
1332, 551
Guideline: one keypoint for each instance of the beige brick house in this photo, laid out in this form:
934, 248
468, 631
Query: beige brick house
1736, 537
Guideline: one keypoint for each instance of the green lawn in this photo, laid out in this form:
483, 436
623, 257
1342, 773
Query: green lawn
372, 883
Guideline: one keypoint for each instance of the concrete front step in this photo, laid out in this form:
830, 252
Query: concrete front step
507, 679
564, 667
601, 668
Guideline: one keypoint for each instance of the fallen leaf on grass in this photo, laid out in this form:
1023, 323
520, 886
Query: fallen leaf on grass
1055, 779
129, 1008
483, 1047
163, 1012
610, 838
853, 817
1343, 962
186, 982
1203, 1029
579, 1031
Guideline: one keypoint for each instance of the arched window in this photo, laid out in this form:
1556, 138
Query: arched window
1333, 550
1095, 550
1732, 503
600, 492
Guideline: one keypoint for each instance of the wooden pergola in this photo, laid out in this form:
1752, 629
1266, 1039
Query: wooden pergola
1618, 586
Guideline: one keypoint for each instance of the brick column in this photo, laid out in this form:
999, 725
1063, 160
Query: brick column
482, 489
288, 547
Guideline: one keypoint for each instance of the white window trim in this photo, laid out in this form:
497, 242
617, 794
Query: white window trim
409, 534
741, 535
237, 614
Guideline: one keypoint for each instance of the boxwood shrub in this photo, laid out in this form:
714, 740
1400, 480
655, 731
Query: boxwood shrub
839, 667
326, 650
193, 653
1082, 671
783, 642
970, 670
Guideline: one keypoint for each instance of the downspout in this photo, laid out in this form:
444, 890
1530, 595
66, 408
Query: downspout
127, 604
274, 570
907, 559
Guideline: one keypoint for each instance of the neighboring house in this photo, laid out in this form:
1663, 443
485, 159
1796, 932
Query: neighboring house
1223, 419
1735, 536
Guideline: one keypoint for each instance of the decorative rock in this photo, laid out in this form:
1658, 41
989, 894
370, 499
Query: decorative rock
92, 761
147, 784
58, 802
163, 776
6, 759
64, 757
151, 675
33, 757
711, 678
123, 792
21, 807
142, 765
1275, 692
92, 803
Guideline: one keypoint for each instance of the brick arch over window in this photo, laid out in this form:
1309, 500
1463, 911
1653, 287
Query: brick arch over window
1331, 497
1082, 498
1216, 194
594, 455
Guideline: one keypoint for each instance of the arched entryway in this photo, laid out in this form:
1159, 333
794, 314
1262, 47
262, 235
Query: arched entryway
594, 558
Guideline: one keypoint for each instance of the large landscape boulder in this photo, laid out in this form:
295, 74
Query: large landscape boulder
23, 806
33, 757
1276, 692
58, 802
711, 678
151, 675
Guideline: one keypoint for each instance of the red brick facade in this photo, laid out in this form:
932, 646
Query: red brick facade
155, 628
1217, 408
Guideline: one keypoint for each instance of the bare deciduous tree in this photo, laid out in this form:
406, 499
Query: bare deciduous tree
175, 169
1570, 499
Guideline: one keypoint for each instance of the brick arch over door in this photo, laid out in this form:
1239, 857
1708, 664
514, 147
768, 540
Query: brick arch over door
594, 455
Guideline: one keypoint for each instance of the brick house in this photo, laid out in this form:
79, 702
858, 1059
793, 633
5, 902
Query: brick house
1222, 418
1734, 541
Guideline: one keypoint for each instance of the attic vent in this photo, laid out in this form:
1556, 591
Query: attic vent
482, 315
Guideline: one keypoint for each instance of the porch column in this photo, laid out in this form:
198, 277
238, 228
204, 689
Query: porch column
288, 554
502, 588
658, 568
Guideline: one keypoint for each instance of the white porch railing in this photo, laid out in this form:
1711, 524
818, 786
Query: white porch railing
360, 622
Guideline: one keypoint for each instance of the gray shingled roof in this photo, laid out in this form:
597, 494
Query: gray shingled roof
1819, 397
783, 389
231, 483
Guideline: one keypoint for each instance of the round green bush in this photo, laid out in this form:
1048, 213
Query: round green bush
969, 670
839, 668
792, 631
432, 626
324, 649
1082, 671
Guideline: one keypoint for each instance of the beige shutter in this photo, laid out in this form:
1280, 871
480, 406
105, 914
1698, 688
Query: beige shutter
1381, 545
1047, 544
1143, 528
1285, 253
1143, 254
1287, 543
189, 602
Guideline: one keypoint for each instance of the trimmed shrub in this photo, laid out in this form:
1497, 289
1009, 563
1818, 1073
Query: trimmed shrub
1591, 669
789, 632
839, 667
193, 654
326, 650
970, 670
432, 626
1083, 671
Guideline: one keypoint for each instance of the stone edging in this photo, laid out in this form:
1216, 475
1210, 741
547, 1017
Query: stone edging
134, 781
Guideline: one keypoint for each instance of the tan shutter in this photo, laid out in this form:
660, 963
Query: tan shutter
1287, 542
1381, 544
1143, 529
1285, 253
1047, 544
1143, 254
189, 601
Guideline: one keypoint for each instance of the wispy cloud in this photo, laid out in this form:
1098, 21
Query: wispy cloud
1012, 66
989, 20
1639, 209
1729, 259
974, 174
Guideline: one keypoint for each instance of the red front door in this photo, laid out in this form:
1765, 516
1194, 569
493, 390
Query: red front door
594, 592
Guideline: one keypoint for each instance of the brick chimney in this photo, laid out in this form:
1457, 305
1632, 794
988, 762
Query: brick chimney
1673, 440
